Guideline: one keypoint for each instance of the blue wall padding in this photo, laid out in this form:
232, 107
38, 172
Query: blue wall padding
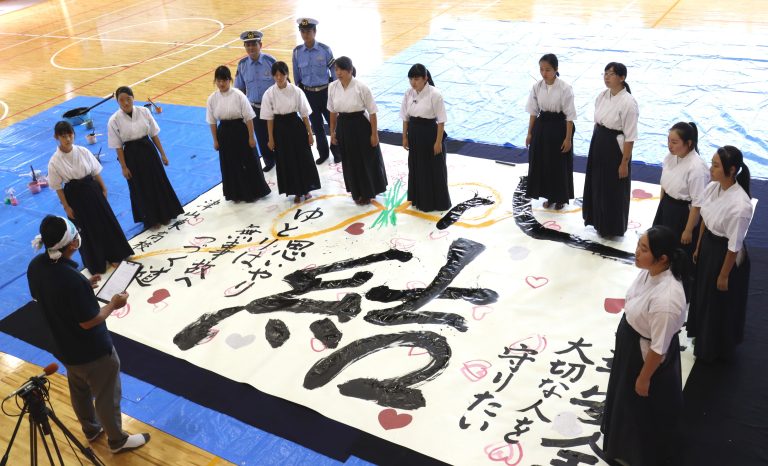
485, 70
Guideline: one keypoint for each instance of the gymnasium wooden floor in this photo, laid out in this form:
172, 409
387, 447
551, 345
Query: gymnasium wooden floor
167, 50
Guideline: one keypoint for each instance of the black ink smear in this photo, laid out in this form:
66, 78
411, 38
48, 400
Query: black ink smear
395, 392
477, 296
456, 211
326, 332
461, 253
276, 332
530, 226
301, 282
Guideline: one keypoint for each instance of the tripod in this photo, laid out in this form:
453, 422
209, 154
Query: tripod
35, 393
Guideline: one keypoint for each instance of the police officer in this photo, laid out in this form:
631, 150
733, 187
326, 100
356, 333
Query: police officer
312, 71
254, 77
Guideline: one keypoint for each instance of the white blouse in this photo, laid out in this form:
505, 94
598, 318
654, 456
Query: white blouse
122, 128
555, 98
278, 101
66, 166
655, 308
230, 105
355, 98
727, 213
619, 112
425, 104
684, 178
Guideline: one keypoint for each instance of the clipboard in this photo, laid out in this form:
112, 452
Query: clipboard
119, 280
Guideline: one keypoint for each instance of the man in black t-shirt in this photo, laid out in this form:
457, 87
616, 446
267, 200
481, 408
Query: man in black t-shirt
80, 333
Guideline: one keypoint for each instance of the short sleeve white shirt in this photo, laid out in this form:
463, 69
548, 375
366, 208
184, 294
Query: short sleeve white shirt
74, 165
427, 104
555, 98
684, 178
355, 98
619, 112
122, 128
278, 101
230, 105
727, 213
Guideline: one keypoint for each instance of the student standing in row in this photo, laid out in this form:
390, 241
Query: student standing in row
241, 175
133, 133
608, 175
550, 136
285, 108
719, 301
75, 174
312, 71
424, 117
354, 128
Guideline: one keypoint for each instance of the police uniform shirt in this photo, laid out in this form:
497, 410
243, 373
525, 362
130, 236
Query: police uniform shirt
74, 165
278, 101
310, 65
122, 128
618, 112
684, 178
355, 98
255, 76
727, 213
425, 104
555, 98
230, 105
655, 308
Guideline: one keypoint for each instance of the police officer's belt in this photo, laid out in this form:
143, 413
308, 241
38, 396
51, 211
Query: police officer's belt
315, 89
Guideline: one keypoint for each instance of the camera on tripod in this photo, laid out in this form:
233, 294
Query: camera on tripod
37, 382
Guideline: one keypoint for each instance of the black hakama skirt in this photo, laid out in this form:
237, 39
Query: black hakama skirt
642, 431
550, 171
673, 213
102, 238
242, 178
363, 165
153, 199
716, 318
296, 169
606, 196
427, 172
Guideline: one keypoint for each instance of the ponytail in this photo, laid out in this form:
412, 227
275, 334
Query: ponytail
743, 178
731, 157
688, 133
626, 86
663, 242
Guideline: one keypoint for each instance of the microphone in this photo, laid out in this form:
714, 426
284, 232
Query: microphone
48, 370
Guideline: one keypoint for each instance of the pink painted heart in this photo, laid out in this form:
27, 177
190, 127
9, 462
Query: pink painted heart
122, 312
159, 307
158, 296
535, 342
438, 234
355, 228
613, 305
633, 225
390, 419
415, 284
552, 225
200, 241
510, 453
402, 244
417, 351
195, 220
478, 312
316, 345
475, 370
536, 282
641, 194
211, 335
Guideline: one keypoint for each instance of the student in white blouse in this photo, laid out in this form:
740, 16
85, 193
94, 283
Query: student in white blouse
75, 175
354, 129
550, 136
645, 395
242, 178
133, 133
286, 109
608, 174
719, 300
423, 115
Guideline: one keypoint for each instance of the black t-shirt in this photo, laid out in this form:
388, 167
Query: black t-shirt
66, 298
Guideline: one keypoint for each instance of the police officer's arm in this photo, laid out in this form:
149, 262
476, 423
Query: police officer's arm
239, 81
119, 300
295, 66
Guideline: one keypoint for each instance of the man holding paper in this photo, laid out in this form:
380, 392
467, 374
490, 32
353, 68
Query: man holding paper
80, 333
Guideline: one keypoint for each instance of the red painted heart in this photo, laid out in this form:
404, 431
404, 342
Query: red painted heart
158, 296
389, 419
641, 194
355, 229
536, 282
552, 225
613, 305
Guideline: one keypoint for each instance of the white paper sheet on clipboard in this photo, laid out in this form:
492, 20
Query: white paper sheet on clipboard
118, 281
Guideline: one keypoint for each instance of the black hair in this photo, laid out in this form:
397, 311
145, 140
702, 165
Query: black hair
223, 73
620, 70
663, 242
280, 66
123, 90
420, 71
52, 229
62, 128
551, 59
731, 157
688, 132
344, 63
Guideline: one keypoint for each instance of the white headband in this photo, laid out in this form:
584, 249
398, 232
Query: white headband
54, 251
